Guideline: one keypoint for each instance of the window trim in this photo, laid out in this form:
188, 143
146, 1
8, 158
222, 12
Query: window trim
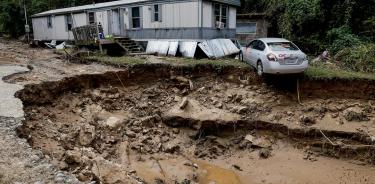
226, 26
67, 22
140, 17
49, 22
88, 18
159, 13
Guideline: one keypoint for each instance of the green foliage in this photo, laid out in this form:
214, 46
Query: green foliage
11, 17
341, 38
359, 58
316, 24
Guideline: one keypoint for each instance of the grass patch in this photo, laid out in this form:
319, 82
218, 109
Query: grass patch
326, 71
117, 61
176, 61
315, 71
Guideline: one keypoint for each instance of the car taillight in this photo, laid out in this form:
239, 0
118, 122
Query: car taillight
271, 57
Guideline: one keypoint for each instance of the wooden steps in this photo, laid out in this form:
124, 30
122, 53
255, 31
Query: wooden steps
130, 46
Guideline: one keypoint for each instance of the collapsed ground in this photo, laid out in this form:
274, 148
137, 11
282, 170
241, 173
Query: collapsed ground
160, 124
156, 123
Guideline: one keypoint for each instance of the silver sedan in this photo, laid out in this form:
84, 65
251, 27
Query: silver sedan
274, 56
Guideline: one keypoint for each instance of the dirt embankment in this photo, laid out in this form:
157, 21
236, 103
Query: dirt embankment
148, 73
166, 124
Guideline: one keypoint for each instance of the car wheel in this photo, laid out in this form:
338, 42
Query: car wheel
260, 68
240, 56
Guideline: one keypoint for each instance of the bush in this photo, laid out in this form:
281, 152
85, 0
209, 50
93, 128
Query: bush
341, 38
359, 58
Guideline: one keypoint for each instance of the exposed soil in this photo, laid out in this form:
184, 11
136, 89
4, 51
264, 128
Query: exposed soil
163, 124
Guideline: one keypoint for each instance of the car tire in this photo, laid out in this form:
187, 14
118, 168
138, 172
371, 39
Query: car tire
240, 56
259, 68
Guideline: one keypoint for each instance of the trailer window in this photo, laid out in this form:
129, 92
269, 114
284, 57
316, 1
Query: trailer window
49, 21
246, 28
221, 17
91, 17
136, 17
156, 13
69, 22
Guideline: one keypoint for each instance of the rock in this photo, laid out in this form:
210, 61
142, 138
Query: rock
249, 138
261, 143
240, 109
171, 148
307, 120
289, 113
219, 105
264, 153
335, 115
113, 122
191, 164
176, 130
130, 134
86, 134
60, 177
184, 103
72, 157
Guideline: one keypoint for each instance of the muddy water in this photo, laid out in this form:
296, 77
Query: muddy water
213, 173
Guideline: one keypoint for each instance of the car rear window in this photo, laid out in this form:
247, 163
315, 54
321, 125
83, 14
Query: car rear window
282, 46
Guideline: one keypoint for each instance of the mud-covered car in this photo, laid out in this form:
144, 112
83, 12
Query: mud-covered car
274, 56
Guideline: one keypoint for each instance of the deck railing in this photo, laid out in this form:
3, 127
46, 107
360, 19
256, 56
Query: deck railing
87, 35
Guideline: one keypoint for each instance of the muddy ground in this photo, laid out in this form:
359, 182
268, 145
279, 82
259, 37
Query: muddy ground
164, 124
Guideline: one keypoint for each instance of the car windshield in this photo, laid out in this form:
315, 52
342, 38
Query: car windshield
282, 46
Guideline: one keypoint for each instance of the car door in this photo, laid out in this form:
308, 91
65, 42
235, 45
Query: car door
257, 51
248, 52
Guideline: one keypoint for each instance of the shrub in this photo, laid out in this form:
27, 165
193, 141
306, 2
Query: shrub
359, 58
341, 38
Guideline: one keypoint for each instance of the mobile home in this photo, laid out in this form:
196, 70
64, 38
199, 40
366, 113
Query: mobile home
143, 20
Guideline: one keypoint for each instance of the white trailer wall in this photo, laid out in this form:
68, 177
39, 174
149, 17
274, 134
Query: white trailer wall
59, 30
174, 15
232, 17
208, 20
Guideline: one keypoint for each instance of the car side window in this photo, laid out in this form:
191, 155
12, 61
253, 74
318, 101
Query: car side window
261, 46
250, 44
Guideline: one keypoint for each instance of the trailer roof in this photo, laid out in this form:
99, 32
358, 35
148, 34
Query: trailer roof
86, 7
114, 3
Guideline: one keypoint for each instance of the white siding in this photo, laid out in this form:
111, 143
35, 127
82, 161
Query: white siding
126, 18
207, 14
174, 15
79, 19
40, 29
232, 17
59, 30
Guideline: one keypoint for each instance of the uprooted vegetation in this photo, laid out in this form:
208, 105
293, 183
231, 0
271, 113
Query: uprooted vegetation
162, 124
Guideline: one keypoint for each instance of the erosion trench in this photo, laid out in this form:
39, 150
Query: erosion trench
164, 124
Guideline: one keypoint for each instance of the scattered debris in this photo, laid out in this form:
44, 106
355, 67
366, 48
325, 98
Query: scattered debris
184, 103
